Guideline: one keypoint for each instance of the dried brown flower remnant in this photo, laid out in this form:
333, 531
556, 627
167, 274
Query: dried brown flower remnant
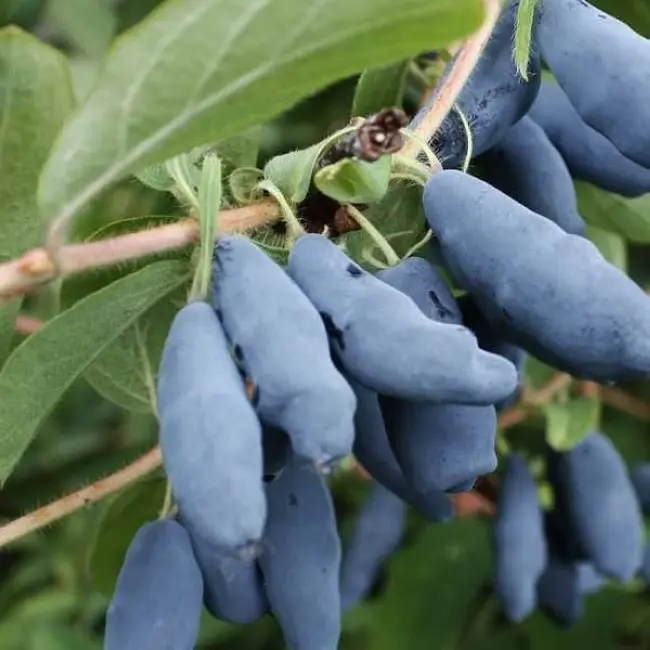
380, 134
375, 136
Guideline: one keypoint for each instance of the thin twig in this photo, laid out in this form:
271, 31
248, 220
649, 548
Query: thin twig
589, 389
472, 504
455, 81
625, 402
36, 266
92, 493
543, 395
512, 417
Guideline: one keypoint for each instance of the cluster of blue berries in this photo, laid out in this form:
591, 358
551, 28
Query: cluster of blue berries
291, 369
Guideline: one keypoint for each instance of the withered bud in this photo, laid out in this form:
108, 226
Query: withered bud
379, 134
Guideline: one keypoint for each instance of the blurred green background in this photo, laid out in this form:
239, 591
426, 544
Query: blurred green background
435, 593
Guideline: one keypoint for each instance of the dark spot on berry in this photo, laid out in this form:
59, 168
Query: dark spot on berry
293, 500
332, 330
443, 312
268, 478
354, 270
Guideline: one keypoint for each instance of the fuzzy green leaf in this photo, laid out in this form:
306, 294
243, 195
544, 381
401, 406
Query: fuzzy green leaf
379, 88
568, 423
45, 365
291, 172
354, 181
523, 35
35, 98
89, 24
125, 372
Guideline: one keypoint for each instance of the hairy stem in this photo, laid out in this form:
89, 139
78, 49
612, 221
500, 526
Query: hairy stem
543, 395
50, 513
36, 266
622, 401
448, 93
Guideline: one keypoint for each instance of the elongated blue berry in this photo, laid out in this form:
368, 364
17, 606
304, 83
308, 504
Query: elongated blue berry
372, 449
559, 592
589, 155
600, 64
519, 540
382, 339
589, 580
438, 446
234, 591
593, 488
209, 433
158, 597
377, 533
280, 340
526, 166
545, 290
301, 559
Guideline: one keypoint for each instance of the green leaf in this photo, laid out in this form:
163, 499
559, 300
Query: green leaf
355, 181
378, 88
88, 24
292, 172
568, 423
196, 71
61, 638
629, 218
209, 197
125, 372
430, 586
242, 184
121, 520
612, 246
35, 98
537, 373
523, 35
156, 177
240, 150
510, 639
45, 365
